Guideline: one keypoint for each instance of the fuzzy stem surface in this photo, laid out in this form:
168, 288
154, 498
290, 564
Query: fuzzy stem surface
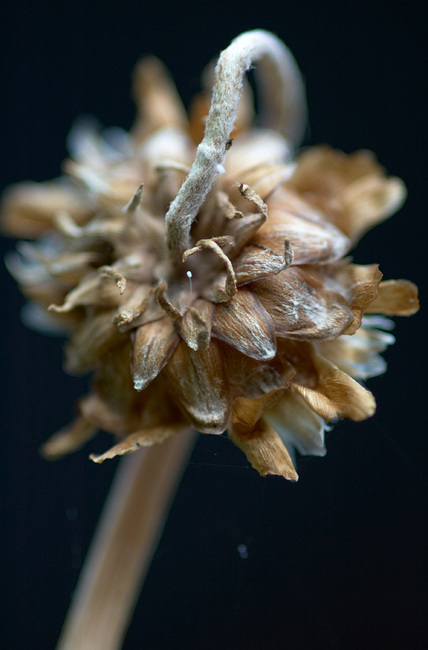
283, 109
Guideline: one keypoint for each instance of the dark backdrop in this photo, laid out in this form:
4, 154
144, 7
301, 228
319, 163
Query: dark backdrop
335, 561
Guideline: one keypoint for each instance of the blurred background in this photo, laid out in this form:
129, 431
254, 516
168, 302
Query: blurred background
337, 560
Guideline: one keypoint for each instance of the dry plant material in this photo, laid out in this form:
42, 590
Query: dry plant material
208, 286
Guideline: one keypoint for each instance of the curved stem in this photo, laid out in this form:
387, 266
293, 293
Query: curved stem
284, 110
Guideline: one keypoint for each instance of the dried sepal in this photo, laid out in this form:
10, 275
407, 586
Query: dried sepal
395, 298
334, 394
154, 343
244, 323
265, 451
313, 238
138, 440
198, 383
301, 307
196, 324
351, 189
69, 439
297, 424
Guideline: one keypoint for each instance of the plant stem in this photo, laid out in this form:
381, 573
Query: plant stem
283, 109
127, 536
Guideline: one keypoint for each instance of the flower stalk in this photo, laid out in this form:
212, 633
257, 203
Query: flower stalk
127, 536
283, 109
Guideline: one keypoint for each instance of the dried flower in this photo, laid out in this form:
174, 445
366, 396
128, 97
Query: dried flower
212, 292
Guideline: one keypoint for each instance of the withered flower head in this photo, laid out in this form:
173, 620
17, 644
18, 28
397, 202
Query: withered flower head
215, 291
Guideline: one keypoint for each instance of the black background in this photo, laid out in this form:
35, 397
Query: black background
334, 561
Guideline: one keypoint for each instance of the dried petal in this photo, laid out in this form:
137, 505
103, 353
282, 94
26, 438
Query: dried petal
154, 344
138, 440
244, 323
29, 209
90, 340
69, 439
352, 189
297, 425
157, 100
358, 355
335, 394
312, 237
395, 298
264, 179
301, 308
198, 383
357, 284
265, 451
256, 262
195, 326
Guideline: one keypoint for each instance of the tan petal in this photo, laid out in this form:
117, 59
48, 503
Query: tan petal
69, 439
90, 340
244, 323
357, 284
247, 412
242, 230
265, 451
93, 289
351, 189
266, 178
256, 262
195, 326
369, 201
335, 394
251, 378
358, 355
395, 298
297, 424
301, 308
132, 307
29, 209
198, 383
154, 344
253, 149
138, 440
313, 238
156, 97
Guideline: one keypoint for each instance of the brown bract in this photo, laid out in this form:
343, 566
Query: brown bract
259, 330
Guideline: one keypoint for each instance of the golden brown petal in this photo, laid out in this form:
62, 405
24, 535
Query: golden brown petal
395, 298
313, 238
358, 355
351, 189
256, 262
90, 340
335, 394
69, 439
154, 344
252, 378
132, 307
357, 284
242, 230
29, 209
195, 326
297, 424
244, 323
301, 308
139, 439
265, 451
265, 178
198, 383
93, 289
156, 97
